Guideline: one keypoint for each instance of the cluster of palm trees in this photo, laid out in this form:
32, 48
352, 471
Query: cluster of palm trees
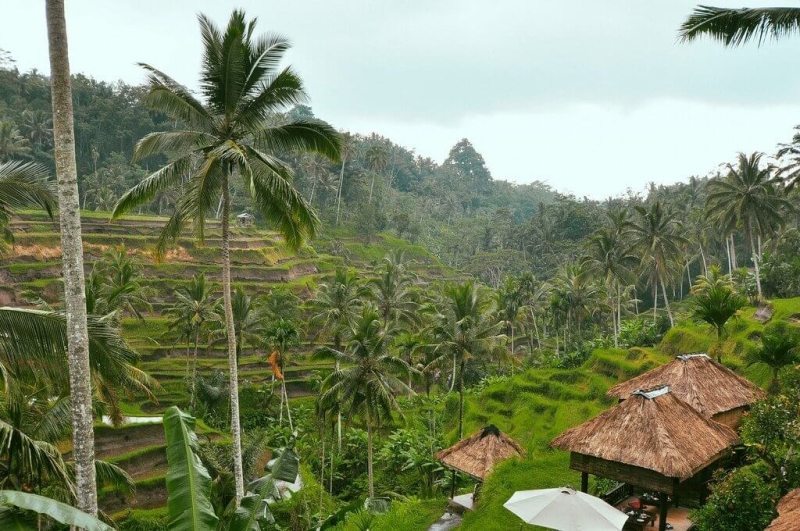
384, 334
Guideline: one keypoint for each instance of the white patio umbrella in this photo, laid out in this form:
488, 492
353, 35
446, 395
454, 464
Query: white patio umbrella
566, 510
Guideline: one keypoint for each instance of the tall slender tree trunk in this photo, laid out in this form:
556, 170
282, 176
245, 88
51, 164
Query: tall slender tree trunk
339, 193
369, 458
733, 252
655, 299
619, 311
728, 252
756, 264
72, 258
371, 186
233, 366
666, 301
461, 402
194, 367
703, 257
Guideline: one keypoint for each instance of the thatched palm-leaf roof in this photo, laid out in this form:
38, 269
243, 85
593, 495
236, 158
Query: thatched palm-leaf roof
788, 513
478, 454
655, 431
701, 382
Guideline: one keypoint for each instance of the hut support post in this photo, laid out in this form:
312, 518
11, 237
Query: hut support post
453, 485
662, 519
585, 482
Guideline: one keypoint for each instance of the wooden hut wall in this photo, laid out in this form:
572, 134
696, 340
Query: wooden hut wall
731, 418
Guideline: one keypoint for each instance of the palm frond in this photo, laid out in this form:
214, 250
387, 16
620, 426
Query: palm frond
23, 184
734, 27
302, 136
173, 99
169, 176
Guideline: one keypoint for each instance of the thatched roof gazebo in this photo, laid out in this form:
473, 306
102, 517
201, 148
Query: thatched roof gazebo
651, 440
478, 454
788, 513
709, 387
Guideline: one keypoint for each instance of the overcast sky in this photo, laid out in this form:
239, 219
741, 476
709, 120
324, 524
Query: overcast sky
592, 97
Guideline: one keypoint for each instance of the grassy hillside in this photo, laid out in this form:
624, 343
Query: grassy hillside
537, 405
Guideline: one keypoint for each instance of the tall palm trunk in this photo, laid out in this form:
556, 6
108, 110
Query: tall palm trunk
194, 367
461, 401
72, 258
369, 457
728, 252
655, 299
755, 251
339, 193
733, 252
233, 365
666, 301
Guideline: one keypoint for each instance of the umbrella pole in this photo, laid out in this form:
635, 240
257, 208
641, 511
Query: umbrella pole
585, 482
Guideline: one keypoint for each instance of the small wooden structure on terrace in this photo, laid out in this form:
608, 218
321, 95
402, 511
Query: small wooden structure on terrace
709, 387
651, 440
788, 513
478, 454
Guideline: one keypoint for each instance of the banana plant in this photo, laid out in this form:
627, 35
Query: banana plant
189, 485
18, 510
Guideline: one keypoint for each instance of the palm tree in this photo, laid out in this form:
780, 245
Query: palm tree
377, 159
655, 238
607, 255
508, 301
716, 306
249, 318
22, 185
391, 289
234, 131
789, 171
577, 295
734, 27
779, 348
466, 330
12, 144
122, 290
367, 385
279, 336
534, 295
191, 310
347, 151
336, 306
72, 258
748, 196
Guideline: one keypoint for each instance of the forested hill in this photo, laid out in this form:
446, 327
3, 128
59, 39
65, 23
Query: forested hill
458, 210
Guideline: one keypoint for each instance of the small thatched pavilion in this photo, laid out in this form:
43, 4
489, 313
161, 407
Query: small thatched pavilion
651, 440
788, 513
478, 454
711, 388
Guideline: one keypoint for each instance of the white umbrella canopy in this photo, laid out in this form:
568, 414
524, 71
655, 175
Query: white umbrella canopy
566, 510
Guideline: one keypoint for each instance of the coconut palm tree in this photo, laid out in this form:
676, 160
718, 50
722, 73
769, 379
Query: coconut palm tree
367, 385
391, 290
465, 330
655, 239
748, 196
235, 130
779, 348
734, 27
347, 152
508, 300
377, 159
335, 307
249, 318
12, 143
72, 258
608, 256
280, 336
193, 308
22, 185
716, 306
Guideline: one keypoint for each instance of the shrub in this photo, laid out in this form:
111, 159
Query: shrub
740, 501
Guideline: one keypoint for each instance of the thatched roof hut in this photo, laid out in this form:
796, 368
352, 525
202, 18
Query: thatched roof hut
478, 454
709, 387
788, 513
652, 440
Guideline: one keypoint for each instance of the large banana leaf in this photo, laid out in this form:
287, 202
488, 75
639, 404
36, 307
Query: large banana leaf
188, 481
60, 512
252, 514
287, 465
